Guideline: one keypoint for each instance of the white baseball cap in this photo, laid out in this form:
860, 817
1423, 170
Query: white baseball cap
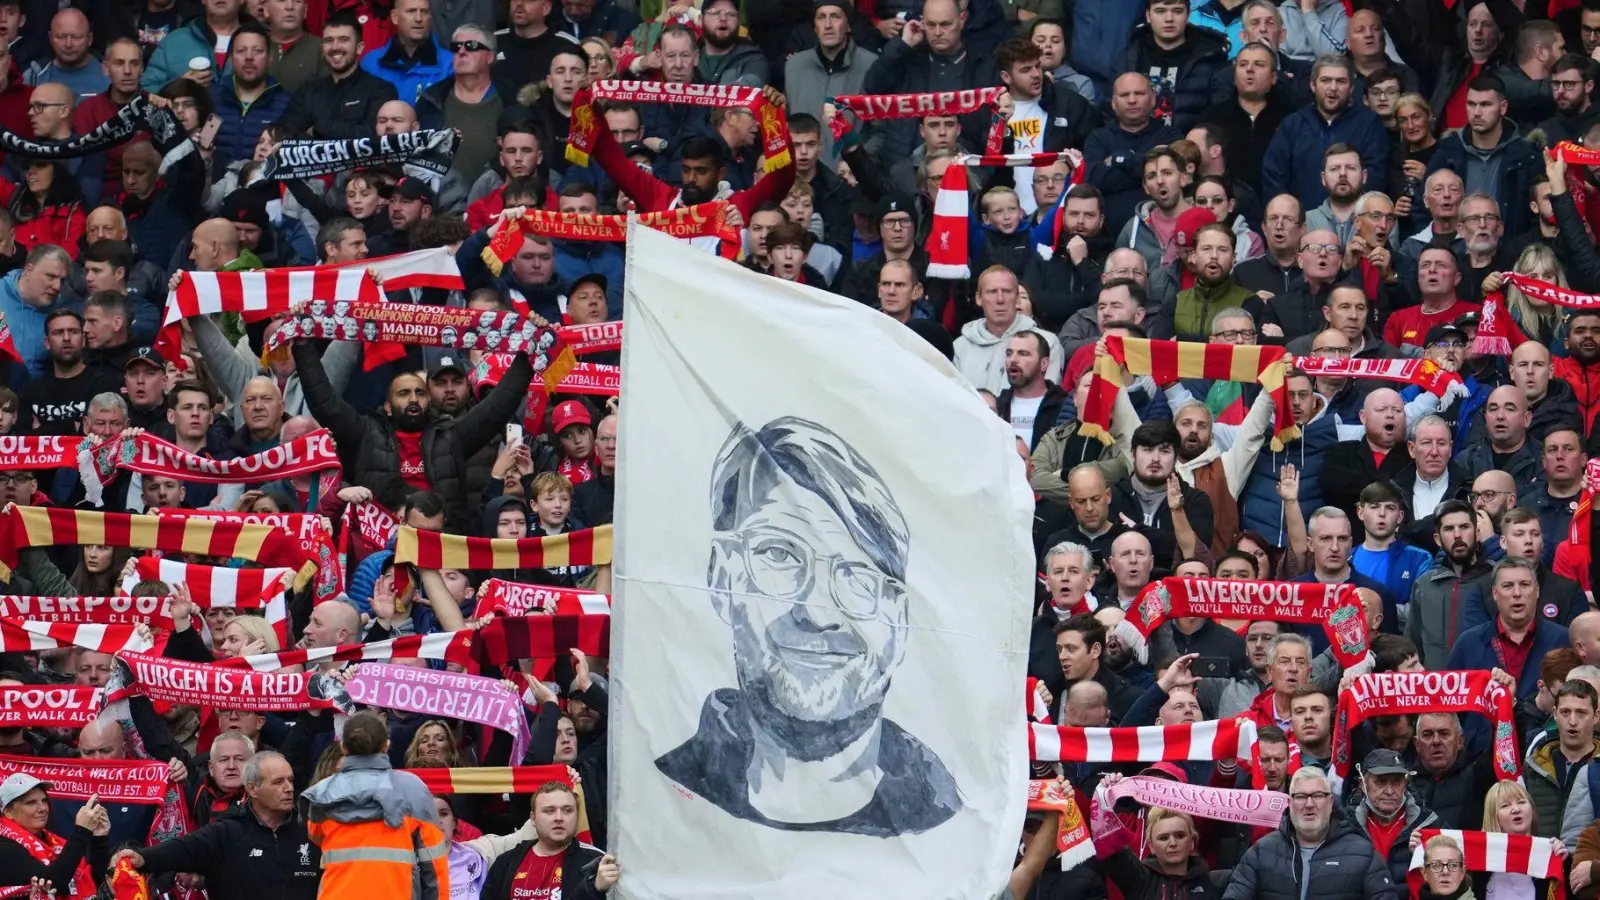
14, 787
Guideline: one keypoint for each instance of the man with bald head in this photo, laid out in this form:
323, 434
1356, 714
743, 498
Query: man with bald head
400, 117
1506, 444
102, 740
1584, 632
50, 117
1493, 494
215, 248
1131, 562
1380, 455
333, 624
1551, 402
70, 63
1089, 498
1115, 151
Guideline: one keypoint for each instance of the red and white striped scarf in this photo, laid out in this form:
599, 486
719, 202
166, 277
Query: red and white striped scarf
314, 532
1037, 710
510, 598
220, 587
24, 637
1483, 851
1210, 740
947, 239
450, 646
1024, 160
371, 523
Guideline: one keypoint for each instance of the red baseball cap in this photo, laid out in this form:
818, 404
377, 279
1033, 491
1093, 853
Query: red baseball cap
1191, 221
571, 412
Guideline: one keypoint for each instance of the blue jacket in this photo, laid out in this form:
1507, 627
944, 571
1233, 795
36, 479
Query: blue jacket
172, 55
1204, 15
1396, 568
27, 325
1100, 30
1467, 408
1475, 650
575, 259
1293, 164
1260, 507
241, 124
1505, 173
410, 76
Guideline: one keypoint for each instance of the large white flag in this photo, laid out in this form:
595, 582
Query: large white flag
823, 579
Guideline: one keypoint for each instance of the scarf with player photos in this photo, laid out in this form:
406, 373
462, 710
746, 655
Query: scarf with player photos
1424, 373
1334, 606
1411, 693
149, 455
701, 220
586, 122
430, 149
1168, 361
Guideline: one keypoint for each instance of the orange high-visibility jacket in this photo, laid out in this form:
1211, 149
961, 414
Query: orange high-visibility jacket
379, 834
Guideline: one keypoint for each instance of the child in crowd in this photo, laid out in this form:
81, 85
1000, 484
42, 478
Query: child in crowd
1001, 238
552, 506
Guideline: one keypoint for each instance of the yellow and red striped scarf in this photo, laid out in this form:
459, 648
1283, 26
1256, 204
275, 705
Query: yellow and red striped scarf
505, 780
435, 550
1168, 361
37, 526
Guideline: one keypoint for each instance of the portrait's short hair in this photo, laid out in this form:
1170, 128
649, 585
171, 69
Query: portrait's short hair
754, 468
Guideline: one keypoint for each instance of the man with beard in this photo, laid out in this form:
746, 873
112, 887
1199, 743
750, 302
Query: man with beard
1214, 288
1063, 277
1343, 181
55, 402
1571, 82
1043, 119
1482, 231
1294, 159
1176, 517
1154, 228
1381, 556
726, 57
1276, 272
1490, 155
1379, 455
344, 103
1216, 470
1438, 279
427, 453
1115, 152
1030, 402
1433, 477
448, 390
1505, 444
250, 100
1448, 596
1563, 463
1493, 494
1250, 118
1580, 368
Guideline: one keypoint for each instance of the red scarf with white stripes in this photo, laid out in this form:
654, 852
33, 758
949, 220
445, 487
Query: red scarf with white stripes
1210, 740
1481, 851
1334, 606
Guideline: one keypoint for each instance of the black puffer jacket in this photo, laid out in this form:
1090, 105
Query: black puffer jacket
1200, 77
1345, 867
1144, 880
367, 444
1456, 794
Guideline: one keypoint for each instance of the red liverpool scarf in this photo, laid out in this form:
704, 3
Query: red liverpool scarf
19, 636
1335, 606
586, 124
1481, 851
947, 239
314, 532
599, 337
1230, 739
38, 452
372, 524
1073, 843
510, 598
213, 685
115, 781
511, 638
1410, 693
700, 220
44, 851
35, 526
24, 706
153, 611
149, 455
1168, 361
872, 107
448, 646
1424, 373
127, 883
215, 587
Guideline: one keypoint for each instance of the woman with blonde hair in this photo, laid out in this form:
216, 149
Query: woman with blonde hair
433, 746
247, 636
1444, 875
1540, 321
1172, 868
1507, 809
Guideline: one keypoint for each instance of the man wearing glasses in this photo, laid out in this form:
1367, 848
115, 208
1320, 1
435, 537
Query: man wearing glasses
808, 567
1571, 81
474, 98
1322, 850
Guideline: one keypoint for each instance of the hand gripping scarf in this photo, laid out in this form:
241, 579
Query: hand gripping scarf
429, 149
149, 455
38, 451
33, 526
210, 684
508, 639
874, 107
1241, 807
138, 115
120, 610
1073, 843
1034, 706
1495, 326
1410, 693
63, 706
1335, 606
448, 646
1424, 373
510, 598
701, 220
1211, 740
586, 124
44, 851
1168, 361
1482, 851
217, 587
442, 695
127, 883
369, 523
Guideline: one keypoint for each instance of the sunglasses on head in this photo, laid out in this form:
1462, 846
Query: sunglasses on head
474, 46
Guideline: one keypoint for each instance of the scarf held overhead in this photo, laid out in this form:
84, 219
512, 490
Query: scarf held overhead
701, 220
586, 123
437, 550
430, 149
511, 638
509, 598
446, 646
1243, 807
121, 610
523, 780
1212, 740
1410, 693
64, 706
20, 636
1335, 606
1073, 843
314, 532
442, 695
1424, 373
208, 684
224, 587
34, 526
116, 781
871, 107
149, 455
1496, 852
1173, 360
